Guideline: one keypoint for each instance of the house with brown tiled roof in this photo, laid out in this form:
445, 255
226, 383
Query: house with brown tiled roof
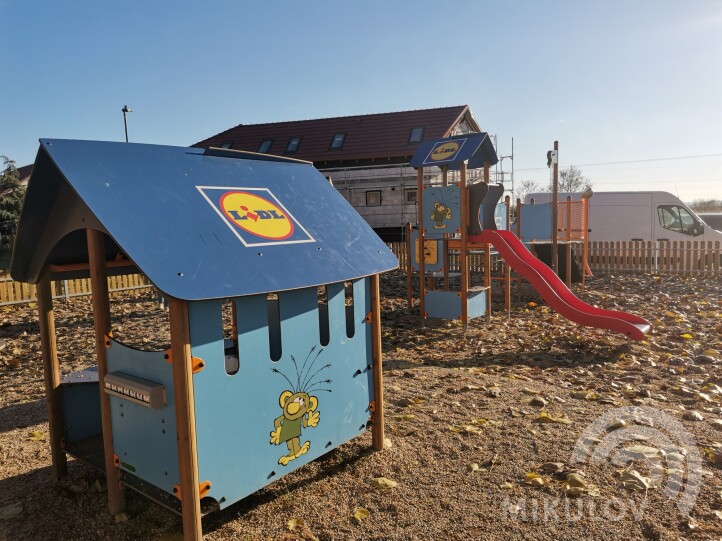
365, 156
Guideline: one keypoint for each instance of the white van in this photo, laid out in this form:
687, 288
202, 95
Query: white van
626, 216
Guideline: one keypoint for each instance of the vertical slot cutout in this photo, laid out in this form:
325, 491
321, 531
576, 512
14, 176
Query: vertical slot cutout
230, 337
323, 328
348, 302
274, 326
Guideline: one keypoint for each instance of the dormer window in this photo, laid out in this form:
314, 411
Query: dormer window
227, 144
416, 135
293, 144
265, 146
337, 141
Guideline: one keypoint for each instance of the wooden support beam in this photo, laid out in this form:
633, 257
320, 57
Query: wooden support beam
463, 259
507, 268
409, 270
51, 370
101, 317
377, 429
185, 419
421, 251
71, 267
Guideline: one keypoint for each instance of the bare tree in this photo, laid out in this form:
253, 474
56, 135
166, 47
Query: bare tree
526, 187
572, 179
706, 205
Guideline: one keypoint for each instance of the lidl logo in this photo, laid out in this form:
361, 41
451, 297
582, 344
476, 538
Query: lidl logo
255, 216
444, 151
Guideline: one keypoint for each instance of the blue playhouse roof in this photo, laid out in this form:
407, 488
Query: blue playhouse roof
199, 224
473, 148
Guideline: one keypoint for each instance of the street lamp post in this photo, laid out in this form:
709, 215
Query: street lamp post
126, 110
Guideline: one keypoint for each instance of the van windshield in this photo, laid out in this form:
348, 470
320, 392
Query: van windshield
676, 218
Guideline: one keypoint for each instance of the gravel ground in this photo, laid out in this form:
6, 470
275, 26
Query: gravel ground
481, 429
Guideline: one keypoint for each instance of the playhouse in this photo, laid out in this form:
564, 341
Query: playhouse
210, 420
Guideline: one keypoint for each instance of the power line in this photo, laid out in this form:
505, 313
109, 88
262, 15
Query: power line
634, 161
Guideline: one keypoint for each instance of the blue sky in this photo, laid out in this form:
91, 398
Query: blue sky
614, 81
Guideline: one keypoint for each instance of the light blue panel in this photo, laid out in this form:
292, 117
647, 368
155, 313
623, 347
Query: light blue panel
500, 216
439, 253
536, 222
143, 438
443, 304
235, 414
442, 213
476, 304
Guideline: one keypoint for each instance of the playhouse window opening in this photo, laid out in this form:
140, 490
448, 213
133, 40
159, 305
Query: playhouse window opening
230, 337
139, 321
323, 326
348, 302
274, 327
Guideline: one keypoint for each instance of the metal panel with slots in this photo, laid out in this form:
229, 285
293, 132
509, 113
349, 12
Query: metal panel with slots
141, 391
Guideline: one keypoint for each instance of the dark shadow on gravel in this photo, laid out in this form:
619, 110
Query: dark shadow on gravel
22, 415
329, 465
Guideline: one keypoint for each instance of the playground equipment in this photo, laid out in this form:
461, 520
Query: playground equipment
534, 226
210, 420
443, 227
450, 207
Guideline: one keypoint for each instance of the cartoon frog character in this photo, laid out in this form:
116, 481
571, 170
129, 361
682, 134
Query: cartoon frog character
440, 213
299, 410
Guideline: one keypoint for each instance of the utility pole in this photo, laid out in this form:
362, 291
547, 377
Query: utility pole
126, 110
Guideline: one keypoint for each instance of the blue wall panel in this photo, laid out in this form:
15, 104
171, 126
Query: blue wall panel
235, 414
441, 211
536, 222
145, 439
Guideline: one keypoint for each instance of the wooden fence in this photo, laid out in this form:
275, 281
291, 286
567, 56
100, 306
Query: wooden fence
12, 292
678, 257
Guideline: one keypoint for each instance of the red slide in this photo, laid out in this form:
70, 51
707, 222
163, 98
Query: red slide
555, 292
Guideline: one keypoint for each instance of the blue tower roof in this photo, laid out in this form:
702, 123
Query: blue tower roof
199, 224
474, 148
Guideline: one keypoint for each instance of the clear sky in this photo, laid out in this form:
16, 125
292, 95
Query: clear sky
635, 85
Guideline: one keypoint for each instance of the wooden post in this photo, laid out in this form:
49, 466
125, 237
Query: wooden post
487, 259
507, 268
555, 210
463, 261
421, 248
101, 317
51, 370
409, 269
185, 419
586, 271
377, 429
568, 253
447, 262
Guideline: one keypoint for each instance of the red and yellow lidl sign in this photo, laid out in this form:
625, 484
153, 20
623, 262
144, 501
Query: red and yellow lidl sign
255, 215
445, 151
